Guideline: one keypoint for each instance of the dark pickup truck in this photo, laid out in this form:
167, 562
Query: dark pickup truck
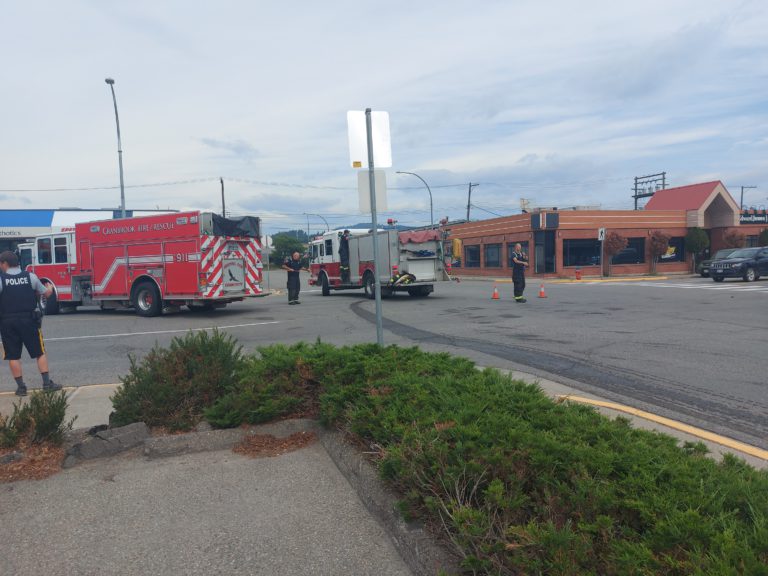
746, 263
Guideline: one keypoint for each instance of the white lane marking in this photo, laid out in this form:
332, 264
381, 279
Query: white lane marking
94, 336
729, 286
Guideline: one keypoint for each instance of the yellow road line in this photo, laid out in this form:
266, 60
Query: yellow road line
534, 280
675, 425
622, 279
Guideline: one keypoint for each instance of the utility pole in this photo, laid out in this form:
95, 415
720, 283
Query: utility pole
223, 207
469, 198
741, 202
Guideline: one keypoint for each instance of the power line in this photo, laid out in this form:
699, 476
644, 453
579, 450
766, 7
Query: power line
275, 184
90, 188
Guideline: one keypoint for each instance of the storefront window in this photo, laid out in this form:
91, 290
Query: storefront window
511, 250
675, 250
472, 256
634, 253
581, 252
752, 242
492, 255
544, 245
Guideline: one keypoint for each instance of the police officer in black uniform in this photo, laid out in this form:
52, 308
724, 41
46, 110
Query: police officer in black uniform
20, 325
519, 264
293, 266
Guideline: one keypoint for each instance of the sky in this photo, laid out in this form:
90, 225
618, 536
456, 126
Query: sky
557, 102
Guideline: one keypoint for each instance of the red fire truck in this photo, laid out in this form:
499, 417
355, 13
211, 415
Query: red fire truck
150, 263
410, 261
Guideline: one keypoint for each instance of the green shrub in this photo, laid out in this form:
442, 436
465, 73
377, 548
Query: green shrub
9, 436
40, 420
521, 484
518, 483
277, 382
172, 386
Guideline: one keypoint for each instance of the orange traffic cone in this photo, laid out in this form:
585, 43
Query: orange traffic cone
495, 294
542, 294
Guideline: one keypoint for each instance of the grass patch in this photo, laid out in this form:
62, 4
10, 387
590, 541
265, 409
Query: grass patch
518, 483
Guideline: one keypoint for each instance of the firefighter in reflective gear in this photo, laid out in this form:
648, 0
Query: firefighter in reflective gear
293, 266
519, 264
20, 320
344, 256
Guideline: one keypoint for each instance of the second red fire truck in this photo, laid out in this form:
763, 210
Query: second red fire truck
150, 263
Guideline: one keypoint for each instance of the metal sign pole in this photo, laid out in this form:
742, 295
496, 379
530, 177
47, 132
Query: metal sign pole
374, 222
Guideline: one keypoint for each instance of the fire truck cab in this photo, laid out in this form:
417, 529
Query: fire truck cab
150, 263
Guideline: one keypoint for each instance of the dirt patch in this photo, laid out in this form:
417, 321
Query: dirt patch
39, 461
266, 445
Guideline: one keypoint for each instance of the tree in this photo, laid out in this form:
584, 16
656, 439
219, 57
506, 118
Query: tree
283, 245
734, 239
658, 244
763, 238
612, 245
696, 241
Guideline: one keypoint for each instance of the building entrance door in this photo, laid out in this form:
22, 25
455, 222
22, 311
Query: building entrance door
544, 246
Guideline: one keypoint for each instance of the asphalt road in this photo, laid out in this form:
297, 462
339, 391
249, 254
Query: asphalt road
684, 348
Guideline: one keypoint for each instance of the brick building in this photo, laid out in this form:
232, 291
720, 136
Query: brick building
559, 242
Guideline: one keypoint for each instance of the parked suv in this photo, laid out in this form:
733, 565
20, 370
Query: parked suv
704, 265
746, 263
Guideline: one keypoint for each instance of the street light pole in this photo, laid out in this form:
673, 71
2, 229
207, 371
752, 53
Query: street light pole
431, 215
111, 83
327, 227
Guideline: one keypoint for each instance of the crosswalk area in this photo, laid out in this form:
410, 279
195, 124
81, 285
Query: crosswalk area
734, 285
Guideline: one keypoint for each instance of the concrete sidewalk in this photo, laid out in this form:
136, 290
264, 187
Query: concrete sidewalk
90, 404
195, 514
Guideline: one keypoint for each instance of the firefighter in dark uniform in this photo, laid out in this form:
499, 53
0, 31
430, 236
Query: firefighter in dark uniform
20, 323
519, 264
344, 256
294, 266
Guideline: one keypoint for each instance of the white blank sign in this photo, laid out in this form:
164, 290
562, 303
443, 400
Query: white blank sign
358, 139
364, 190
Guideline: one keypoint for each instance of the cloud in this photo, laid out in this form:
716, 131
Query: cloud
558, 102
237, 148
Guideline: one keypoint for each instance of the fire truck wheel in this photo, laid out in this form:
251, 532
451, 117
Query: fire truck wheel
50, 305
369, 285
146, 300
326, 288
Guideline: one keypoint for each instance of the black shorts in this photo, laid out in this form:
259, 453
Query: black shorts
18, 332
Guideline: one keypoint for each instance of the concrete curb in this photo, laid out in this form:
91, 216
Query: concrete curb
418, 548
210, 440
